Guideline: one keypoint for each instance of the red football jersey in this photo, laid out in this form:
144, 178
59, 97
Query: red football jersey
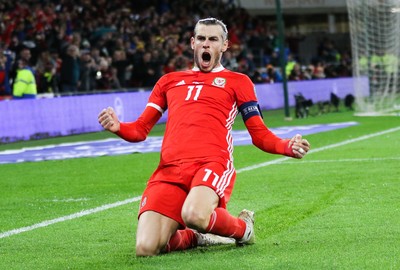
201, 110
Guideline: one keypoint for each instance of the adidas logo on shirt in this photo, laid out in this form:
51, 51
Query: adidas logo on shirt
180, 83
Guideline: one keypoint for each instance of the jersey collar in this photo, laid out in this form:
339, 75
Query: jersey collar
217, 69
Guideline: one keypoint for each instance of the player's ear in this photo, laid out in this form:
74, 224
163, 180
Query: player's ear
192, 42
225, 46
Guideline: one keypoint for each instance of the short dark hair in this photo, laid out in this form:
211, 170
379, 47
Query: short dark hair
213, 21
23, 61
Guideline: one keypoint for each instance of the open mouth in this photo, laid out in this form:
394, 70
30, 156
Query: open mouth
206, 56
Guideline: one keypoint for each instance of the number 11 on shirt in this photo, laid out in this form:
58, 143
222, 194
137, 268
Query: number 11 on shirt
190, 90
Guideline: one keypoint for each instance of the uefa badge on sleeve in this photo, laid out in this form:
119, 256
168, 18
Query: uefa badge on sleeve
220, 82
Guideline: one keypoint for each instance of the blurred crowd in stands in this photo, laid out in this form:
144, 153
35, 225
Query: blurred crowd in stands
79, 46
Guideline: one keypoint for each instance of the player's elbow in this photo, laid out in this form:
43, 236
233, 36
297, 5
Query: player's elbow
141, 136
133, 131
257, 143
138, 138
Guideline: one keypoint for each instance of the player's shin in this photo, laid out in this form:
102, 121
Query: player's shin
224, 224
181, 240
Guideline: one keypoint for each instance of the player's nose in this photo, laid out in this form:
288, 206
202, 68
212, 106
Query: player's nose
206, 43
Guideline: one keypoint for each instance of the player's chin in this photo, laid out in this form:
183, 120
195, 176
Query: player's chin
205, 68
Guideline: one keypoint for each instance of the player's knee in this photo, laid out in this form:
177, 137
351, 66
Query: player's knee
195, 219
146, 248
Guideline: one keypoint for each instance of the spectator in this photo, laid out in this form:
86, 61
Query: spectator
25, 54
158, 60
182, 63
308, 72
273, 75
95, 54
229, 61
70, 70
6, 59
137, 60
122, 66
291, 62
296, 74
258, 77
328, 52
146, 71
319, 71
106, 76
25, 84
88, 70
344, 68
170, 66
46, 68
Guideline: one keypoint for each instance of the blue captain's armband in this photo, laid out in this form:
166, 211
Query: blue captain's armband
250, 109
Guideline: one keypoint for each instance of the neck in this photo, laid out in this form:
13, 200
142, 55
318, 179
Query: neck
215, 69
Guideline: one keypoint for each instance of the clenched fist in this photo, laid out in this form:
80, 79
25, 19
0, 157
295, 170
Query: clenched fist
109, 120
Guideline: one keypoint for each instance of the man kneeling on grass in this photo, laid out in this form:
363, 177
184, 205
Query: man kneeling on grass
184, 203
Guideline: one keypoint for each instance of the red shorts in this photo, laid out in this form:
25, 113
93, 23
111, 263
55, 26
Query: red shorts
170, 184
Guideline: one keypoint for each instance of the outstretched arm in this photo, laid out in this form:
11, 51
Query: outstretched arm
130, 131
267, 141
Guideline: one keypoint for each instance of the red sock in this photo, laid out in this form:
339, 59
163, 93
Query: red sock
182, 239
224, 224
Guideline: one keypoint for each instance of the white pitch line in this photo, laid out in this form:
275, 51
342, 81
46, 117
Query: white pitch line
69, 200
69, 217
365, 137
135, 199
342, 160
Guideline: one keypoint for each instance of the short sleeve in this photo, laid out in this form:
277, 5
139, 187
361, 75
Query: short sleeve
245, 90
158, 97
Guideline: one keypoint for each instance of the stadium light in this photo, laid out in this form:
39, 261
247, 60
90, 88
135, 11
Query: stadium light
395, 10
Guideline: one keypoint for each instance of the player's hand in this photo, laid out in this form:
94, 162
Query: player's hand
299, 146
109, 120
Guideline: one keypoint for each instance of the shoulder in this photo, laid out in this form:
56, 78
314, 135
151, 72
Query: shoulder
174, 77
24, 72
234, 74
174, 74
236, 77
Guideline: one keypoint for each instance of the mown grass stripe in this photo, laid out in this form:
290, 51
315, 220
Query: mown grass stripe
135, 199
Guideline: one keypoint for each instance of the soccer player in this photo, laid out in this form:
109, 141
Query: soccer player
184, 203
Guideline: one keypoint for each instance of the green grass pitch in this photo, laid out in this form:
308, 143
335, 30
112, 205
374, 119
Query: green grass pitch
338, 208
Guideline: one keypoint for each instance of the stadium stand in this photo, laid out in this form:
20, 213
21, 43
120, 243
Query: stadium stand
130, 44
